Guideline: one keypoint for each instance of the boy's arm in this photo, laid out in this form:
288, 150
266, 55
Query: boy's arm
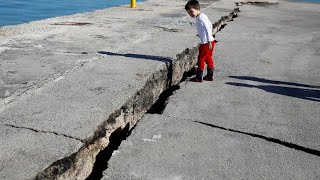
207, 24
210, 45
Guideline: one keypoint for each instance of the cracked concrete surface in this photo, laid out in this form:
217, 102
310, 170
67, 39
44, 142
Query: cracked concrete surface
260, 116
102, 77
170, 148
24, 152
40, 131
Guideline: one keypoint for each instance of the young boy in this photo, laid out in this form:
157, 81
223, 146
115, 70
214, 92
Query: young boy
204, 27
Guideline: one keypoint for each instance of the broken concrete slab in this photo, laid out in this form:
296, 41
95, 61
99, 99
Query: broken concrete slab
38, 52
258, 119
114, 84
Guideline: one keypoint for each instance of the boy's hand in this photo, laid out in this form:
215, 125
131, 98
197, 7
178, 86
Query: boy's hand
210, 45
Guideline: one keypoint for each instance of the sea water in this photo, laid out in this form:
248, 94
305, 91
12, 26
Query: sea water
311, 1
22, 11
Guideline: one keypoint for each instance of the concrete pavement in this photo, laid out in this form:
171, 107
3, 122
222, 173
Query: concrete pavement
259, 119
68, 83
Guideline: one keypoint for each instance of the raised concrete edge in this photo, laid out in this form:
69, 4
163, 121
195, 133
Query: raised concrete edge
79, 164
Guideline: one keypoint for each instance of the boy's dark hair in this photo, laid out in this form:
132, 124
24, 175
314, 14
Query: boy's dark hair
192, 4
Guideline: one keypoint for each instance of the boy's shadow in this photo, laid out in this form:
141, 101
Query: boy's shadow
307, 93
168, 61
250, 78
138, 56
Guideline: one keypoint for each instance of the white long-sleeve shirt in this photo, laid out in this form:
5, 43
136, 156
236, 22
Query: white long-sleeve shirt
204, 27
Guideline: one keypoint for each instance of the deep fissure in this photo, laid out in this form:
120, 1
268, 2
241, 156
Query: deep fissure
130, 113
102, 159
160, 105
119, 135
115, 139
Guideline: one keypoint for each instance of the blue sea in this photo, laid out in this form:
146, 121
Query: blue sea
21, 11
310, 1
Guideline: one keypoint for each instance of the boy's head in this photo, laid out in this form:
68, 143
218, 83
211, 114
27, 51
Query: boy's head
193, 8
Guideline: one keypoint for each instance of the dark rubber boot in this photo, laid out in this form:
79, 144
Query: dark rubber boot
209, 76
198, 77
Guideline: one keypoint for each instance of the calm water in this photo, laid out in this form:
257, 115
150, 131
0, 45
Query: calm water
21, 11
311, 1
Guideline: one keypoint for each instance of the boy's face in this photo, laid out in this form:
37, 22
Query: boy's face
193, 12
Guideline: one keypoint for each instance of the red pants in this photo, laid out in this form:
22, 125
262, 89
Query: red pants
205, 55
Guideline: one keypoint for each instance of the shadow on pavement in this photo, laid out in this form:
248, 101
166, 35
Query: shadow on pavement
308, 93
272, 81
138, 56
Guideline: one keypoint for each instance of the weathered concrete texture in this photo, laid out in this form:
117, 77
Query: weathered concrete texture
163, 147
259, 119
102, 76
23, 151
35, 53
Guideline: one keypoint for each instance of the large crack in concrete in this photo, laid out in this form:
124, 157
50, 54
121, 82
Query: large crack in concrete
79, 165
102, 159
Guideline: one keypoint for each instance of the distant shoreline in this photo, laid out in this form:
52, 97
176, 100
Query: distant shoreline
305, 1
124, 4
25, 12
